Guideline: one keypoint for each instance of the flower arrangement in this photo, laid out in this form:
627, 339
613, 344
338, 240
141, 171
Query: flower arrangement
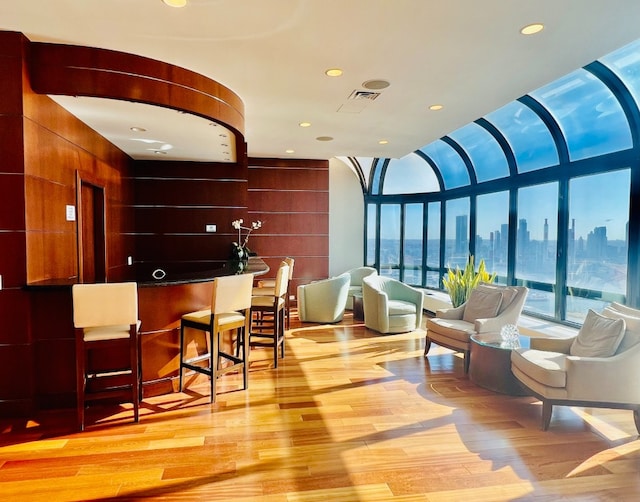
459, 284
240, 249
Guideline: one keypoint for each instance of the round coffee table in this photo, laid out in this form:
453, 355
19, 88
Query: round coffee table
490, 364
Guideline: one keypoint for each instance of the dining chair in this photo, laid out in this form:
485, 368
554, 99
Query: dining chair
267, 286
105, 318
268, 311
230, 310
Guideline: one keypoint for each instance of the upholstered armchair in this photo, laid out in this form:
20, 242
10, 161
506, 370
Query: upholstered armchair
324, 300
355, 284
599, 367
488, 308
390, 306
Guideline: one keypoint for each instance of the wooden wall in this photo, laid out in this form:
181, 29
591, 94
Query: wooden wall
16, 348
174, 202
155, 212
43, 149
291, 196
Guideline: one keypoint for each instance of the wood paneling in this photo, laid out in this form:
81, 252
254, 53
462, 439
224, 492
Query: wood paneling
87, 71
292, 197
173, 204
12, 143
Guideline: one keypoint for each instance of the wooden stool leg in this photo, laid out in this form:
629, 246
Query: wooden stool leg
80, 381
215, 356
181, 356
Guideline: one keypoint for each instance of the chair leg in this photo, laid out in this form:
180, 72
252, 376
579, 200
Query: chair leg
244, 333
547, 409
467, 361
135, 376
80, 382
276, 335
636, 419
427, 346
281, 341
215, 357
181, 356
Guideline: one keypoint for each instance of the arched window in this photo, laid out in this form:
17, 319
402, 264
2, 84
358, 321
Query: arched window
590, 116
527, 135
410, 174
450, 164
488, 159
542, 189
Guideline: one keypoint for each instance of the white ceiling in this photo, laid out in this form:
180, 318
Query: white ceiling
465, 54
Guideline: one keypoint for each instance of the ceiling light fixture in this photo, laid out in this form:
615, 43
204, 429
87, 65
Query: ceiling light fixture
290, 151
333, 72
137, 129
175, 3
383, 142
435, 108
305, 124
324, 138
532, 29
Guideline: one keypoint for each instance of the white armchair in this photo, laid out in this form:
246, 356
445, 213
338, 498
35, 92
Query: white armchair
324, 300
602, 370
390, 306
488, 308
355, 284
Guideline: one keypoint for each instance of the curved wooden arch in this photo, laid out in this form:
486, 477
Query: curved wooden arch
88, 71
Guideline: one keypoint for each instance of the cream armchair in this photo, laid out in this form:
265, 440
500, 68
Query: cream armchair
390, 306
324, 300
355, 284
601, 371
488, 308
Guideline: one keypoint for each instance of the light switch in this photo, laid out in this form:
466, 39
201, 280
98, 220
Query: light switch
210, 228
71, 213
129, 260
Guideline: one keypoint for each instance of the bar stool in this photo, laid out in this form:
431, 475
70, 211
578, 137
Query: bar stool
267, 286
105, 318
230, 310
267, 328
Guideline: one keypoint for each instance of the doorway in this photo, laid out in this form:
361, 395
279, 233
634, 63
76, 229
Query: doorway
91, 233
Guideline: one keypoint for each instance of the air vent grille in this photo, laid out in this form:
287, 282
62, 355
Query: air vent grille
364, 95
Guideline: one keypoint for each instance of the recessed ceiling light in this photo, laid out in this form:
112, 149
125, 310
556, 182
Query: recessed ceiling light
324, 138
175, 3
383, 142
435, 108
137, 129
333, 72
305, 124
376, 84
532, 29
159, 152
290, 151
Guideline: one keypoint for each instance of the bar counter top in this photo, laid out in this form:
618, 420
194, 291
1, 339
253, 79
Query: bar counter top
255, 266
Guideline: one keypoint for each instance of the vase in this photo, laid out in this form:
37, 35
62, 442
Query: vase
239, 253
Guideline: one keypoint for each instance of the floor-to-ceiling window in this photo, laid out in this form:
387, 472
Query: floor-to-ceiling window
542, 189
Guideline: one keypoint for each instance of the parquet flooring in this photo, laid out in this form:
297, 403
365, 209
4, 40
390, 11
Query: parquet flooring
349, 415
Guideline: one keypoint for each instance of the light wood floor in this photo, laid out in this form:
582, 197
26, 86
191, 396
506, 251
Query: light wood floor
349, 415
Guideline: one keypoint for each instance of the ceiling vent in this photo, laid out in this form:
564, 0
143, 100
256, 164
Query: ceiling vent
364, 95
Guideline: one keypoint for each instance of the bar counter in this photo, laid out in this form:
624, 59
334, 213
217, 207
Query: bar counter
161, 303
